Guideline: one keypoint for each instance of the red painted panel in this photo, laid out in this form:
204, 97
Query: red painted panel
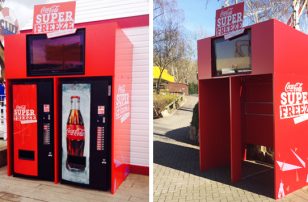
235, 128
25, 128
214, 123
262, 59
291, 123
258, 110
15, 56
259, 130
255, 108
262, 45
121, 110
99, 54
100, 50
140, 170
204, 59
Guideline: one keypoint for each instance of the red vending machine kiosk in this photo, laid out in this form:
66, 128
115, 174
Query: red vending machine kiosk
68, 106
253, 90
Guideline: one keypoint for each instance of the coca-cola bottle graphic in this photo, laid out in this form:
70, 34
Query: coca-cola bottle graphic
75, 137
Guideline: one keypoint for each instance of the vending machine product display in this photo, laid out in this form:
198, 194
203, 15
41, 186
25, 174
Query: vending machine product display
85, 129
68, 102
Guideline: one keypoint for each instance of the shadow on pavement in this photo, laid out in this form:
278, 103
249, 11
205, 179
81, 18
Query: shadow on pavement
186, 159
180, 135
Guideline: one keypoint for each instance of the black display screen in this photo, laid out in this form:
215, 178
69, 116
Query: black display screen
232, 56
56, 56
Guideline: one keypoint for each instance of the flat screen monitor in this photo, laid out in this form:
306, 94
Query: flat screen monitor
232, 56
56, 56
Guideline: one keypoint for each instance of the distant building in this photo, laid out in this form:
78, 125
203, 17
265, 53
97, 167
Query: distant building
165, 77
168, 82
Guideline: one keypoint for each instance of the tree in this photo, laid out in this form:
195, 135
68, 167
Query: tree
168, 42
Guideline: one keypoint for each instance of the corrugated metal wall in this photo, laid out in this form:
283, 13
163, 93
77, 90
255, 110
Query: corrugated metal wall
140, 96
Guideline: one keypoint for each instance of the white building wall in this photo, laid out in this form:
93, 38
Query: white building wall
140, 96
94, 10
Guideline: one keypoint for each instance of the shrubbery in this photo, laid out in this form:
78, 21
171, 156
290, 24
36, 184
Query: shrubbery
161, 101
192, 88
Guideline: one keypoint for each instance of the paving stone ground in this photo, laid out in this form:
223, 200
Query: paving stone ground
176, 169
134, 188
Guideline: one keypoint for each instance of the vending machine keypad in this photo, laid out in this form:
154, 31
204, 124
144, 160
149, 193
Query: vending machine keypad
100, 139
46, 133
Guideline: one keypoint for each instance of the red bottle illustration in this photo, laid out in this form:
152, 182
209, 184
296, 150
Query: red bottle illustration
75, 137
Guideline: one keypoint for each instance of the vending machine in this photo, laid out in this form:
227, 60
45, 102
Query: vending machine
68, 101
33, 128
86, 131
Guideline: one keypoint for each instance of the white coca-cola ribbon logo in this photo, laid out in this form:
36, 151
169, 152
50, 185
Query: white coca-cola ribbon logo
226, 12
52, 9
297, 87
78, 132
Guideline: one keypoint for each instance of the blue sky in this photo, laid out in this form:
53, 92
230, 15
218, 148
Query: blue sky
199, 16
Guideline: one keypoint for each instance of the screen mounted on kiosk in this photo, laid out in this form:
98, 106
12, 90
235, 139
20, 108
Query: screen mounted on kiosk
56, 56
232, 56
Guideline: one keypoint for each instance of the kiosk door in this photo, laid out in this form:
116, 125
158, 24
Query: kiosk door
86, 131
33, 144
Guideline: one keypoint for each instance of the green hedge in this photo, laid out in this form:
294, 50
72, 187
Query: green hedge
192, 88
162, 100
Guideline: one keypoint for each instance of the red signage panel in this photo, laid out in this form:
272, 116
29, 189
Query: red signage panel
291, 125
56, 17
25, 129
229, 19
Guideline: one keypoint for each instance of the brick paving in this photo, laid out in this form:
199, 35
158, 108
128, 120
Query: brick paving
135, 188
176, 169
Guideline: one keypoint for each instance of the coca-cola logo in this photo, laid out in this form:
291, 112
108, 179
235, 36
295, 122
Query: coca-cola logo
24, 115
52, 9
75, 132
226, 12
294, 102
297, 87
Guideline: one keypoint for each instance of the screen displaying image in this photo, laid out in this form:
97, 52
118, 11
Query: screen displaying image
76, 132
61, 55
232, 56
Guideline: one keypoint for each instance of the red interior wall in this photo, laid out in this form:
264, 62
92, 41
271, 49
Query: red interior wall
214, 122
258, 110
